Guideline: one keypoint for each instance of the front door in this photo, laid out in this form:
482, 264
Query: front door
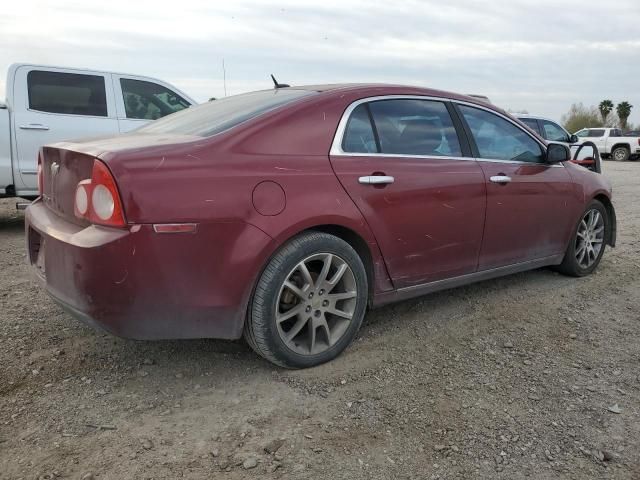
530, 204
56, 106
400, 160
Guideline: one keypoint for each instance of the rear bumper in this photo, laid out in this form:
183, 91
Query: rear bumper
136, 283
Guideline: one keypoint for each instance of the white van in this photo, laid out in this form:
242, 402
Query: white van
50, 104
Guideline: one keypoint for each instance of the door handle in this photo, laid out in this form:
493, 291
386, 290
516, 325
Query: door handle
502, 178
376, 180
34, 126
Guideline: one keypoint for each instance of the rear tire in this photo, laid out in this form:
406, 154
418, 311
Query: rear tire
587, 243
620, 154
308, 303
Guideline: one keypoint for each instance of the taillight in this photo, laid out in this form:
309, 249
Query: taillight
40, 177
98, 200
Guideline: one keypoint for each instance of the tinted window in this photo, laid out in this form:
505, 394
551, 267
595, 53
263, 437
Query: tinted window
148, 100
532, 123
359, 136
595, 133
220, 115
69, 93
415, 127
554, 132
497, 138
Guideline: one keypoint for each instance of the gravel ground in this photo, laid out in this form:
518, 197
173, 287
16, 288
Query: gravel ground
534, 375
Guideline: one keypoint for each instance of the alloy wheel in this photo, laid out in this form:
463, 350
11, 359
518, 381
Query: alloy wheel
316, 304
589, 238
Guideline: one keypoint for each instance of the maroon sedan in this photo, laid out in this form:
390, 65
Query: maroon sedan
283, 214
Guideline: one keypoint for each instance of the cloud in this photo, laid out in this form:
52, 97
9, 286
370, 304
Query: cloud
540, 56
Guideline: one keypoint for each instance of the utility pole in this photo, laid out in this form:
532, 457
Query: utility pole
224, 78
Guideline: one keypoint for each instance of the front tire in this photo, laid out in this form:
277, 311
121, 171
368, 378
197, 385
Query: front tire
620, 154
308, 303
587, 243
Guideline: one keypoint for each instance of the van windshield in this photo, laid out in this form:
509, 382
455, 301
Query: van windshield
219, 115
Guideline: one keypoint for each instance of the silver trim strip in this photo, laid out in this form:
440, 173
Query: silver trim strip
336, 145
435, 286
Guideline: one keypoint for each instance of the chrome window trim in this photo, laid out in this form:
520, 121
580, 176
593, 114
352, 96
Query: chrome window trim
336, 145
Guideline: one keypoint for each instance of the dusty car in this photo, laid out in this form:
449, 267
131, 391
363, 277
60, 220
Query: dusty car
285, 214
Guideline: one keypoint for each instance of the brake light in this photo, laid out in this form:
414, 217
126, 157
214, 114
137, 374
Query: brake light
98, 200
40, 176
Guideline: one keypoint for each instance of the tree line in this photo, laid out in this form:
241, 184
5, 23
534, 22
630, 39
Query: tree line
604, 115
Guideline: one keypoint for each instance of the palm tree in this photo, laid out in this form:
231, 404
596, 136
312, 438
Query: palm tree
623, 110
605, 108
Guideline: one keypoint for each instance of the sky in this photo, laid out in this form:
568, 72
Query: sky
540, 56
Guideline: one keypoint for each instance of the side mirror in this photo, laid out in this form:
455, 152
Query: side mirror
558, 152
573, 139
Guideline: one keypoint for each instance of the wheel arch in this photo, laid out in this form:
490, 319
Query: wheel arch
623, 145
611, 212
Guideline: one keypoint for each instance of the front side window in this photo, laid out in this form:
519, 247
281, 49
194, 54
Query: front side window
359, 136
67, 93
595, 133
554, 132
415, 127
499, 139
148, 100
582, 133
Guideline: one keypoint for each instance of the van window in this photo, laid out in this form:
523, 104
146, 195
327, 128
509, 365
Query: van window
553, 132
148, 100
220, 115
67, 93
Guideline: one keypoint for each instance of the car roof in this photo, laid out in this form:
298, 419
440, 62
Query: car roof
365, 90
534, 117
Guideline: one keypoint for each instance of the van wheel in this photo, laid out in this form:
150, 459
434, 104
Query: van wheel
588, 242
309, 302
620, 154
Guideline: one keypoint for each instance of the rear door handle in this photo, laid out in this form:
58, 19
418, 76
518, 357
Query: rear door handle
34, 126
500, 179
376, 180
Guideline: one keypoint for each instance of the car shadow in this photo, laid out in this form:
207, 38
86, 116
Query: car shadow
11, 220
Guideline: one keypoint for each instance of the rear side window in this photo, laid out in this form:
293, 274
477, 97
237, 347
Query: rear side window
499, 139
148, 100
532, 123
596, 133
220, 115
359, 136
553, 132
415, 127
68, 93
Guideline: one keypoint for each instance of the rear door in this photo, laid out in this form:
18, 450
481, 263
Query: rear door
140, 101
530, 209
402, 163
52, 105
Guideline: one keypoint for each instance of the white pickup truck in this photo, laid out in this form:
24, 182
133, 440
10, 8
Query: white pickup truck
51, 104
611, 142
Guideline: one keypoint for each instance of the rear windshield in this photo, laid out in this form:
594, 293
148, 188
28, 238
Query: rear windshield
219, 115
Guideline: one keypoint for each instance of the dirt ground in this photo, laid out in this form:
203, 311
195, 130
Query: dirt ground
534, 375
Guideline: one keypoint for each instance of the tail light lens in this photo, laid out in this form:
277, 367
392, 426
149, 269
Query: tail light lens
40, 176
98, 200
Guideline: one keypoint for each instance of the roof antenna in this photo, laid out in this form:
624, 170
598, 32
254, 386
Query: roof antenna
278, 85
